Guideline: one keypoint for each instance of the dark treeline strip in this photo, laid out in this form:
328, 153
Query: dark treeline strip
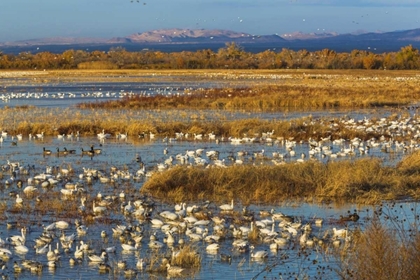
230, 57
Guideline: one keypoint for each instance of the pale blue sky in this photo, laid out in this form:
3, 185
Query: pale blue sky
32, 19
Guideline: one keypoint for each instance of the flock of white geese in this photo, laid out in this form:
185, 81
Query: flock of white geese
144, 228
227, 231
99, 94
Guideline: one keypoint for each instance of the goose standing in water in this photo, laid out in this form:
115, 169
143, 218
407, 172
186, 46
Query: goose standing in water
19, 200
88, 152
174, 270
95, 151
95, 258
227, 207
46, 152
262, 254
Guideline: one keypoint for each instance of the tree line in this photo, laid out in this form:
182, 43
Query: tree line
232, 56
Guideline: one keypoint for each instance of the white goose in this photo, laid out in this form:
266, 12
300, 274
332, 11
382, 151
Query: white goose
21, 249
51, 256
98, 209
78, 253
227, 207
96, 258
141, 264
340, 232
262, 254
28, 190
18, 239
19, 200
42, 250
174, 270
61, 224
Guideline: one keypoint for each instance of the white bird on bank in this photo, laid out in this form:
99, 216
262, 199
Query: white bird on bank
227, 207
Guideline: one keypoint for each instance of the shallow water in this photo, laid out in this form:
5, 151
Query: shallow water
289, 262
122, 154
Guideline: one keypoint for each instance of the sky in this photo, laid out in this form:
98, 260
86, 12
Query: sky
35, 19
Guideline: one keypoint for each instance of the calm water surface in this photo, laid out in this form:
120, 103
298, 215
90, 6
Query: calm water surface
285, 263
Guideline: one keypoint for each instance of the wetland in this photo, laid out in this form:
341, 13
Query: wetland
292, 157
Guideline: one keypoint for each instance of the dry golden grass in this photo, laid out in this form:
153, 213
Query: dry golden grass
361, 181
384, 250
188, 257
273, 90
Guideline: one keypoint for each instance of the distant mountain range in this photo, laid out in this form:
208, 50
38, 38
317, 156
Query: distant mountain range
187, 39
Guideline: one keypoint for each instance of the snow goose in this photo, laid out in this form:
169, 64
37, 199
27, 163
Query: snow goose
98, 209
174, 270
212, 247
128, 247
51, 256
61, 224
18, 239
42, 250
98, 258
262, 254
339, 232
78, 253
19, 200
154, 244
227, 207
141, 264
21, 249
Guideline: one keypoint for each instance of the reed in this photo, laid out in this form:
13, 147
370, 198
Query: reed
361, 181
344, 92
187, 257
387, 248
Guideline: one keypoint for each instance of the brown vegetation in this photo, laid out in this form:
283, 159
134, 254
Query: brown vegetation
389, 248
232, 56
361, 181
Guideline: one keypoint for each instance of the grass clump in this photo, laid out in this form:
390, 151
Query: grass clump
389, 248
187, 257
362, 181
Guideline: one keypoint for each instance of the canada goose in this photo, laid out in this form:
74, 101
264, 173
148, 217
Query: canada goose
46, 152
61, 153
130, 272
95, 151
69, 151
104, 267
16, 267
225, 258
89, 153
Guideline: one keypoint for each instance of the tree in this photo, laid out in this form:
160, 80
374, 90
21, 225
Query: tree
408, 58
